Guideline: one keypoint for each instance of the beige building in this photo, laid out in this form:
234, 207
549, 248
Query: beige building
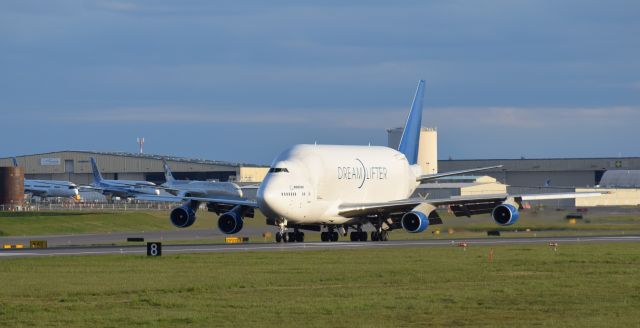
610, 197
75, 166
460, 186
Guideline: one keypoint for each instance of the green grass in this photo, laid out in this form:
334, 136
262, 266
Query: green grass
60, 222
541, 223
594, 285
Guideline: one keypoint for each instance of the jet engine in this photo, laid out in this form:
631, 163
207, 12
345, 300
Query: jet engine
184, 216
232, 221
418, 219
505, 214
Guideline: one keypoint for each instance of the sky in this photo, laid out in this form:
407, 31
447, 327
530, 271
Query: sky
243, 80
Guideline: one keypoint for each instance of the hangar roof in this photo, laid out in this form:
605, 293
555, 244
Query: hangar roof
148, 156
621, 179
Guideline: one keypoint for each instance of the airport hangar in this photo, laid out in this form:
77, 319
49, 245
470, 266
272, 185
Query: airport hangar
75, 166
517, 176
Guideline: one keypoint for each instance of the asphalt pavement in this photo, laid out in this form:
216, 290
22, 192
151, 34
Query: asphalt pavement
284, 247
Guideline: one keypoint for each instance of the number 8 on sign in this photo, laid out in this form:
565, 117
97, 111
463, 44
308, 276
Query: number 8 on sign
154, 249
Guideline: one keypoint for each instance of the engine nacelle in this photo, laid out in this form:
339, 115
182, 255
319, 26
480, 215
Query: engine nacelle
419, 218
415, 221
505, 214
183, 216
231, 222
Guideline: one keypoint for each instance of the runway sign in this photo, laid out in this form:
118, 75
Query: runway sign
236, 240
38, 244
8, 246
154, 249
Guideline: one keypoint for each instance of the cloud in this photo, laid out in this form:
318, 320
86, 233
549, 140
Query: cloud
318, 117
378, 118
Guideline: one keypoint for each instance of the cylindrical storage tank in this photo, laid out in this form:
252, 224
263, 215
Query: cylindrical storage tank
427, 151
11, 186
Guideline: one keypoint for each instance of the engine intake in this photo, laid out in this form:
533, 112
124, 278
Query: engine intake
419, 218
231, 222
414, 221
505, 214
183, 216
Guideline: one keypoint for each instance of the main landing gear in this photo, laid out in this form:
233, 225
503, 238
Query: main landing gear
331, 235
358, 235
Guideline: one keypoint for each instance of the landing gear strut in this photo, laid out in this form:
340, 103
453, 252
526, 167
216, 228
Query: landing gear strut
382, 235
379, 234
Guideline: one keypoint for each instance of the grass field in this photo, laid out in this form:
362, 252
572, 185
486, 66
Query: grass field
540, 223
61, 222
595, 285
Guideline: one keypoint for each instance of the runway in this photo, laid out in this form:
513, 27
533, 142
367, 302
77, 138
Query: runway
271, 247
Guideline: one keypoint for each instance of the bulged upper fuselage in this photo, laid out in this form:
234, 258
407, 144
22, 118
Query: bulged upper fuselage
307, 183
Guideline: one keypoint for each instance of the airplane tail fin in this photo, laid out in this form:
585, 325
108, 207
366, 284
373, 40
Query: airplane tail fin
410, 139
97, 177
15, 162
168, 176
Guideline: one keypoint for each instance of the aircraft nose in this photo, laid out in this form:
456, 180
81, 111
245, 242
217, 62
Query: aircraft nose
267, 201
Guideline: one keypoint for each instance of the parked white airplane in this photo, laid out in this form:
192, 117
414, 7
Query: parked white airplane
188, 188
120, 188
49, 188
345, 187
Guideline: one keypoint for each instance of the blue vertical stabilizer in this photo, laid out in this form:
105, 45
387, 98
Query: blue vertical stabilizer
15, 162
411, 135
97, 177
168, 176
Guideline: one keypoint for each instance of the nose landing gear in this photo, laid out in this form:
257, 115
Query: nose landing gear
282, 236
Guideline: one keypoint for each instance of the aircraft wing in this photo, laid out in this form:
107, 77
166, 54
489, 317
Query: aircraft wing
221, 200
460, 205
89, 188
428, 177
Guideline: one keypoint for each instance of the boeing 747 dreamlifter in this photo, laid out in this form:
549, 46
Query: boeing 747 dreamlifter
335, 188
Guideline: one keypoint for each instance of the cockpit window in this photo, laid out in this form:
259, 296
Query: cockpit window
278, 169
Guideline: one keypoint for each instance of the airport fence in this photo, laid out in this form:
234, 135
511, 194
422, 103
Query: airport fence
98, 206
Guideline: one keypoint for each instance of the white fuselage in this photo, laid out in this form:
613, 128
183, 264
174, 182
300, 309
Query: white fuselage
184, 188
50, 188
308, 183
